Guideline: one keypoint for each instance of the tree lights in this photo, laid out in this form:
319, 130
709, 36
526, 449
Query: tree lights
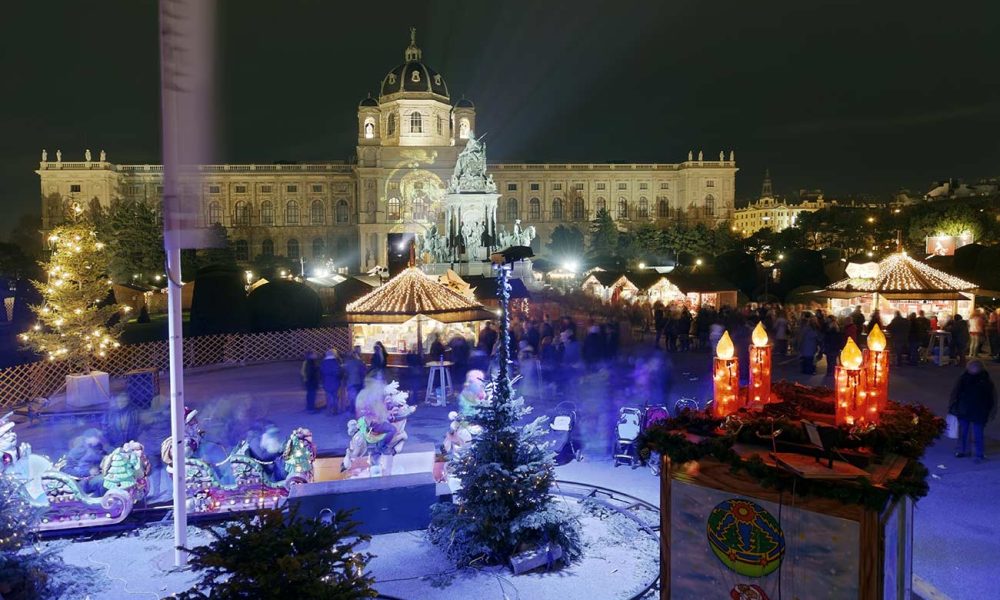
759, 392
725, 373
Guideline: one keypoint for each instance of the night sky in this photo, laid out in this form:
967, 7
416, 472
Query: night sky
851, 97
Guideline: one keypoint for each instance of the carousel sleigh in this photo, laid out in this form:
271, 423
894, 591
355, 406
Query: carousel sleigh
253, 487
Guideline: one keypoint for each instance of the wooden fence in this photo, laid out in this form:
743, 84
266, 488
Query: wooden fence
22, 383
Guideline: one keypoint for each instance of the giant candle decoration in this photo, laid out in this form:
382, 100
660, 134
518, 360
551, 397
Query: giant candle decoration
726, 377
759, 392
852, 399
877, 369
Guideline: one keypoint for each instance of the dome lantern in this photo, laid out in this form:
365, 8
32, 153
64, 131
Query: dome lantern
412, 52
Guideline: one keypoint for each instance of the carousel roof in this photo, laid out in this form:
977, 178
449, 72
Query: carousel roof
413, 293
902, 276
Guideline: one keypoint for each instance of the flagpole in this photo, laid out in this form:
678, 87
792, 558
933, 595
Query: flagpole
176, 365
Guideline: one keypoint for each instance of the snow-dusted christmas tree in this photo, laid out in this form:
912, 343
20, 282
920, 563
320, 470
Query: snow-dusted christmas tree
505, 505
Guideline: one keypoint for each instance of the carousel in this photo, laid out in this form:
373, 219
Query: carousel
901, 283
409, 310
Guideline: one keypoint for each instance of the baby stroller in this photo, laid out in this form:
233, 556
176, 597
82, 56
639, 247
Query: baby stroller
561, 430
626, 434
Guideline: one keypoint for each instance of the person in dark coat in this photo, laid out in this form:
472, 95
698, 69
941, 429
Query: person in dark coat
593, 345
332, 375
310, 379
959, 329
487, 338
808, 344
660, 323
380, 359
437, 348
684, 330
833, 343
899, 336
354, 375
974, 403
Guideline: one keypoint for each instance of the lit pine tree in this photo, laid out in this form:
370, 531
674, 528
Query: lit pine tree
74, 318
504, 505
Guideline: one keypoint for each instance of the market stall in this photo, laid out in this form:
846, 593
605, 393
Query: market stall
901, 283
409, 310
683, 286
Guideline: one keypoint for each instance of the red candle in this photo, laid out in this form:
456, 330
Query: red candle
725, 375
877, 369
854, 406
759, 392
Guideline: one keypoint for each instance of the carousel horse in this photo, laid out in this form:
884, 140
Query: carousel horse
381, 424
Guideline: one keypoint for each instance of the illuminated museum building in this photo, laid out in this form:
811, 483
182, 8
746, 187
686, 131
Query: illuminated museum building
408, 141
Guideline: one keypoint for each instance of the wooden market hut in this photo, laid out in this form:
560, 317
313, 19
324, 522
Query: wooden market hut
409, 305
900, 282
694, 288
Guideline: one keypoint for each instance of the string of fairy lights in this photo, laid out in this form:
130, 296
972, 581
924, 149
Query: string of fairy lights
412, 292
902, 273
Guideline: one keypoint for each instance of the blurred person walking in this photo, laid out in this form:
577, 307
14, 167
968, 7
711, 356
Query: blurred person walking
973, 403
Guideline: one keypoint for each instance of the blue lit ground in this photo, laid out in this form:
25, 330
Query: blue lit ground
956, 534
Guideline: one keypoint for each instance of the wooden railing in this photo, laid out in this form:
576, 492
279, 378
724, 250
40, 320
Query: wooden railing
22, 383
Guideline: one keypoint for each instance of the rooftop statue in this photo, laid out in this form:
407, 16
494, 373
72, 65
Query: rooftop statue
470, 170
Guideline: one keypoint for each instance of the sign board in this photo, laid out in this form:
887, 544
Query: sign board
945, 245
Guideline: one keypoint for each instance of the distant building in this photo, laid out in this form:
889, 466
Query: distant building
774, 213
956, 188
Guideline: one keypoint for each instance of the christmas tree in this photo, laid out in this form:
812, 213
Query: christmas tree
504, 506
123, 469
73, 320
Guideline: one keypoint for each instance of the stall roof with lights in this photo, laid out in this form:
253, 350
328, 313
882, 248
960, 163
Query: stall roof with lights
413, 293
901, 277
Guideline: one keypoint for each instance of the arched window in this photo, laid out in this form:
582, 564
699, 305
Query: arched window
242, 214
319, 247
643, 208
534, 209
214, 213
242, 250
392, 123
512, 209
292, 249
267, 248
393, 209
419, 207
416, 123
316, 213
578, 209
602, 204
342, 212
267, 213
557, 209
369, 127
662, 208
710, 205
463, 128
440, 124
292, 213
622, 208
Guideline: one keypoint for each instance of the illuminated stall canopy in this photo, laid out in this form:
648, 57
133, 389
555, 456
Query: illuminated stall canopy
901, 283
651, 286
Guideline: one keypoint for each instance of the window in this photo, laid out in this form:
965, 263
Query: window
214, 189
292, 249
241, 216
440, 124
292, 189
709, 206
578, 187
578, 210
416, 122
511, 209
74, 188
664, 185
622, 208
265, 189
316, 213
241, 189
317, 189
602, 186
342, 215
419, 206
557, 186
643, 208
463, 129
266, 213
394, 209
369, 128
661, 208
214, 213
710, 183
602, 204
242, 250
623, 186
511, 187
557, 209
319, 247
535, 187
643, 186
534, 209
392, 123
292, 213
267, 248
159, 189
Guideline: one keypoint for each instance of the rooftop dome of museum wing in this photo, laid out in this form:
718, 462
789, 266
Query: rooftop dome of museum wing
413, 76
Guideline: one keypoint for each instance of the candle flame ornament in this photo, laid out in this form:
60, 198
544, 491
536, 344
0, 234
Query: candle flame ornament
725, 376
877, 369
759, 392
853, 404
876, 339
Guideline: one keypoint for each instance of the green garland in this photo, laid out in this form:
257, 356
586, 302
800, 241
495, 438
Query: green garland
905, 430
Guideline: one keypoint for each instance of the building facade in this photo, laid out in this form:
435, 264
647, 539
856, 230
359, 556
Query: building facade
409, 137
774, 213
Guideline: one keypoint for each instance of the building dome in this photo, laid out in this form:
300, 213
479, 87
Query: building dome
464, 103
369, 101
413, 76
